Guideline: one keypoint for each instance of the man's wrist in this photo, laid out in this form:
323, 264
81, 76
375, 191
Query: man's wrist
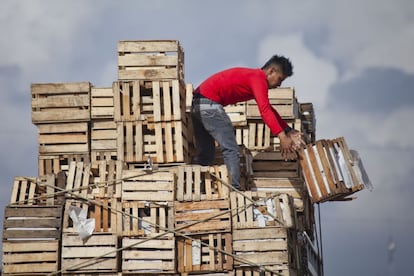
287, 130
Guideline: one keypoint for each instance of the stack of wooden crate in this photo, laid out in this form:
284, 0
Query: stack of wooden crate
95, 189
102, 125
121, 156
150, 102
61, 112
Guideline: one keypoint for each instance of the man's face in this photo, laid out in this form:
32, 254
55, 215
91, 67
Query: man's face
275, 77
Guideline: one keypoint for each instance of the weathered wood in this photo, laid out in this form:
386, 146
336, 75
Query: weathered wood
60, 102
211, 215
265, 246
31, 223
106, 177
261, 209
328, 170
102, 210
147, 219
150, 60
153, 101
205, 252
195, 182
102, 103
156, 186
103, 138
256, 135
75, 252
138, 141
140, 255
59, 138
30, 257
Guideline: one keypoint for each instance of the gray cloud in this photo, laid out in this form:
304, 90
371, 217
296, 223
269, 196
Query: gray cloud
379, 90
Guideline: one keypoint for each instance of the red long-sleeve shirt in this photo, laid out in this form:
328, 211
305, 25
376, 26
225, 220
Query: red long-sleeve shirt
242, 84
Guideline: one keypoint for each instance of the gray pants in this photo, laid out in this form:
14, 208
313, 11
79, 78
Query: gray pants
210, 123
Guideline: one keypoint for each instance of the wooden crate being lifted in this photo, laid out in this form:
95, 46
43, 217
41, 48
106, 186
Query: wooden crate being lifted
330, 171
150, 60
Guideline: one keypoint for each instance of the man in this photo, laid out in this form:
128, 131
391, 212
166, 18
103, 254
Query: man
210, 121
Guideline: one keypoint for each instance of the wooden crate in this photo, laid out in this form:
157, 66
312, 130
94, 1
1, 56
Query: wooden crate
150, 60
96, 179
147, 219
246, 159
32, 223
103, 140
261, 209
60, 102
202, 216
63, 138
24, 191
152, 101
237, 113
255, 271
107, 176
270, 247
271, 164
30, 257
256, 135
294, 187
53, 164
327, 166
81, 256
141, 256
138, 185
307, 115
189, 89
195, 182
105, 212
51, 189
282, 99
164, 142
205, 253
102, 103
78, 182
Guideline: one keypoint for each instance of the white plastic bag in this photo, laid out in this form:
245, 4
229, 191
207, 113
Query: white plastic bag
83, 225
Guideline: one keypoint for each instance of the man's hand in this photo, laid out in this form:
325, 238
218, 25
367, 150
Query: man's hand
287, 147
290, 143
297, 139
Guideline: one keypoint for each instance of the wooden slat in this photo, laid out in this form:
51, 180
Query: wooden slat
205, 253
141, 255
211, 215
148, 46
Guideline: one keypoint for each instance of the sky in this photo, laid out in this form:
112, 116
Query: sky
352, 59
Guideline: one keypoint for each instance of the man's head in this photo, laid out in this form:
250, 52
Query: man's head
277, 69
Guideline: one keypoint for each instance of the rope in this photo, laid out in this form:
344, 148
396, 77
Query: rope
115, 181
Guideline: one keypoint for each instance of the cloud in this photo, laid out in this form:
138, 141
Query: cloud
312, 75
362, 34
379, 90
